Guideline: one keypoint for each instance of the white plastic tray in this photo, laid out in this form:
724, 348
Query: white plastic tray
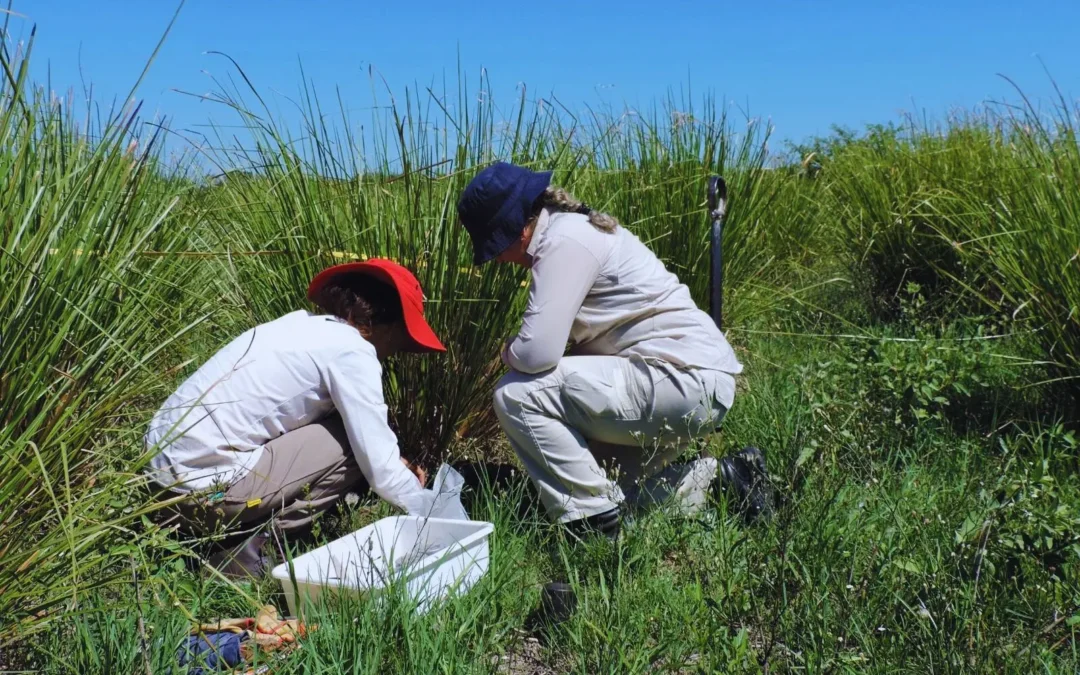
431, 556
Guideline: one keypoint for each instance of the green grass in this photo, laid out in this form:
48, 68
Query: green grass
905, 301
872, 564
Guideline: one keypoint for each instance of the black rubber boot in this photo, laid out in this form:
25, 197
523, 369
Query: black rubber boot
744, 481
607, 524
558, 602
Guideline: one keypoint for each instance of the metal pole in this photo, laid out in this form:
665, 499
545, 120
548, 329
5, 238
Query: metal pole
717, 210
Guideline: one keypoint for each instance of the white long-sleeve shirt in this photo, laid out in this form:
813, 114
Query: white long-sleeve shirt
608, 294
270, 380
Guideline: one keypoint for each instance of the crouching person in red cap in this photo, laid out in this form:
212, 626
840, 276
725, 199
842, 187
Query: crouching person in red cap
289, 417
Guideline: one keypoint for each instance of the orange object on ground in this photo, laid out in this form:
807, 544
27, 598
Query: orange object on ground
266, 631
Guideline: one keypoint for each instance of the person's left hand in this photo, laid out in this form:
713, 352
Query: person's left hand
417, 471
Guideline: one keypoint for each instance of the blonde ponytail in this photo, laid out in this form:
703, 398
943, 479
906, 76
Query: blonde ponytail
558, 199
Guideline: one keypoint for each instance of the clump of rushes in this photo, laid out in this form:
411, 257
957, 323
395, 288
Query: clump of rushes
1009, 233
650, 170
1032, 235
84, 320
324, 193
889, 199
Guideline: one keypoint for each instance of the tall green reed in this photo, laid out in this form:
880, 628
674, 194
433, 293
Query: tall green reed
890, 195
1030, 236
650, 169
980, 213
321, 198
327, 192
85, 322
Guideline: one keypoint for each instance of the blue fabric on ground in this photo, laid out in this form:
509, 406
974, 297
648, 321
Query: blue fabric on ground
212, 652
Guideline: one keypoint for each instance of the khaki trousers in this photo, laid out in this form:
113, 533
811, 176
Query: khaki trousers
590, 415
300, 474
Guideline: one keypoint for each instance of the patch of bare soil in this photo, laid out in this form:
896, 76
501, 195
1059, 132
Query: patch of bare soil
526, 657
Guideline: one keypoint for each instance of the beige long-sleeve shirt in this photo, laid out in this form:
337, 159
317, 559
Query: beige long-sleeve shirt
608, 294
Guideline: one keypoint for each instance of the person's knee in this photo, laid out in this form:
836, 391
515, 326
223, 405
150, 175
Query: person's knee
500, 400
510, 392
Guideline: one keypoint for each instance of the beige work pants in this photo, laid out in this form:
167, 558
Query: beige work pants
592, 413
300, 474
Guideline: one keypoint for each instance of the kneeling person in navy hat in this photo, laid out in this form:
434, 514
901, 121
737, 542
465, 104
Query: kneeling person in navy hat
289, 417
647, 373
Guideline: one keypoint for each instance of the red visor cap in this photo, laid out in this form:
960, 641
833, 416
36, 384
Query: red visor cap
408, 290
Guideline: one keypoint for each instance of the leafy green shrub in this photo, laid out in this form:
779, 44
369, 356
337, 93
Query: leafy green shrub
1031, 513
889, 392
929, 372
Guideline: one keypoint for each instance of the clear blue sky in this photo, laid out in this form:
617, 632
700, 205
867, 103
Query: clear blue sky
805, 65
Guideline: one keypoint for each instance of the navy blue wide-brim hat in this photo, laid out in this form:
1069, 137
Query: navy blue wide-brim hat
496, 206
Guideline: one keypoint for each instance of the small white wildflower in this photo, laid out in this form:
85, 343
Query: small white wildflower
850, 587
352, 499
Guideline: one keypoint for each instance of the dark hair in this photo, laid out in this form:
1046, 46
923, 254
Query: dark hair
361, 300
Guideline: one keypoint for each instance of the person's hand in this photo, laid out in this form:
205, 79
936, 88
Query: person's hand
417, 471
